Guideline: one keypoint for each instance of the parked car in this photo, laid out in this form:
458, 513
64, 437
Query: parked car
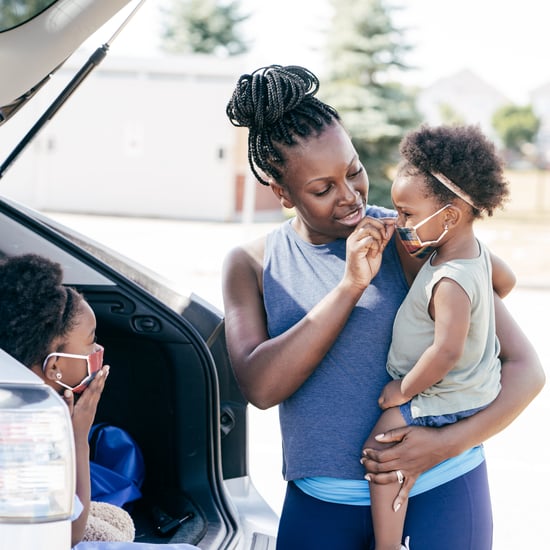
171, 386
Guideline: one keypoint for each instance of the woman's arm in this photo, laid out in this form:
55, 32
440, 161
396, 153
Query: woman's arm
419, 449
504, 279
271, 369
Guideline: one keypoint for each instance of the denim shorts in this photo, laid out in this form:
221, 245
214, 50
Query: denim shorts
434, 421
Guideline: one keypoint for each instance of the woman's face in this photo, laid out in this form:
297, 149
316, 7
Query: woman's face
326, 184
81, 340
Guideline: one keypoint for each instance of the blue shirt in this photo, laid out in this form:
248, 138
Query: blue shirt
325, 423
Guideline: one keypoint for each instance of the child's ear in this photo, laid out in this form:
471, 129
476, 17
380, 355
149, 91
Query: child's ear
453, 215
282, 194
51, 369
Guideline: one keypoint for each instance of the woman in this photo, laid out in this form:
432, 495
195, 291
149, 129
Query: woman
309, 314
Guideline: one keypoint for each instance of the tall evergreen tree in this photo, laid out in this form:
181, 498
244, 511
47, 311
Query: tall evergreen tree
204, 26
365, 54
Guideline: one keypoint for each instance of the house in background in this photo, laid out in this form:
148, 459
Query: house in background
464, 96
150, 137
469, 99
140, 137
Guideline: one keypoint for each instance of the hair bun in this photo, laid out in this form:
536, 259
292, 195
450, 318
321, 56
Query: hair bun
262, 98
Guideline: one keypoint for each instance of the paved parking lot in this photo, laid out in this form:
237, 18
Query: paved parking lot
191, 254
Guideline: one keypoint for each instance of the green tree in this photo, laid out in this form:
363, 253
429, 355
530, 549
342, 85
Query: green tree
365, 54
13, 12
204, 26
516, 126
449, 115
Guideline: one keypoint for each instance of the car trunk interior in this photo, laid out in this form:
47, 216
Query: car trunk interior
157, 392
164, 389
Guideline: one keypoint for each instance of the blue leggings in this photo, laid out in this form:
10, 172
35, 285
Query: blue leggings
454, 516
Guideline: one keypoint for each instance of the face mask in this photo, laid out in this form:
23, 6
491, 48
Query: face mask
412, 242
94, 362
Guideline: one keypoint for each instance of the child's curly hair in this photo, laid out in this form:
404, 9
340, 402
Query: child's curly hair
35, 307
465, 156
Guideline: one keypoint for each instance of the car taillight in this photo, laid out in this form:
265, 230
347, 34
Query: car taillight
36, 456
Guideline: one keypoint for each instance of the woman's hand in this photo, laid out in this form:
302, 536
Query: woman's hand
364, 248
269, 370
414, 450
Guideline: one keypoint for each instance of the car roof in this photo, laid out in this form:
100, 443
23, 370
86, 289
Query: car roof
35, 48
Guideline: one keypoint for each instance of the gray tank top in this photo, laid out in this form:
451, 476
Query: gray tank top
326, 421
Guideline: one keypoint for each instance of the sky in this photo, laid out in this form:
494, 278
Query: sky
504, 42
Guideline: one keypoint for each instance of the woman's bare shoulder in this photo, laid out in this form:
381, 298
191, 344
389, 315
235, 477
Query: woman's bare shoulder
244, 263
242, 277
251, 253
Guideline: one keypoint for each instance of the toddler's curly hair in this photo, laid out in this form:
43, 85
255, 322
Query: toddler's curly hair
465, 156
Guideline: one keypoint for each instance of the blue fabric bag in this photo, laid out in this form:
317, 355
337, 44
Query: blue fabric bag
117, 468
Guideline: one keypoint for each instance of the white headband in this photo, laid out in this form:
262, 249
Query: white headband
453, 187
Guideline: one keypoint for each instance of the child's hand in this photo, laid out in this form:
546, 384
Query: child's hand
84, 410
391, 395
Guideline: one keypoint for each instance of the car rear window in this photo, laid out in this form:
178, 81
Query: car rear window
16, 12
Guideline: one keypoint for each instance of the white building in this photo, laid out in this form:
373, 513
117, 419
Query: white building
467, 95
140, 137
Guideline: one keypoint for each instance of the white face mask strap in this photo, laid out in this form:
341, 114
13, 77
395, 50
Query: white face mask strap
454, 188
63, 384
430, 217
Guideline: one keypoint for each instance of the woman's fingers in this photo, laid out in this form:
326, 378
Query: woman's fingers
404, 490
381, 479
370, 227
364, 249
373, 234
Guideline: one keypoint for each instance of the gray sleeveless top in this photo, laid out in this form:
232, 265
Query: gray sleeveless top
474, 381
326, 421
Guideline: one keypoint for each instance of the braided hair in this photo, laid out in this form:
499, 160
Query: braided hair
465, 156
278, 106
35, 307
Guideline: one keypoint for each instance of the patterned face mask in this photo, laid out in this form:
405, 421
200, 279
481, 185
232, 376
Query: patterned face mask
412, 242
94, 362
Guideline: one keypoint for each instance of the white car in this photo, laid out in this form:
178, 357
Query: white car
171, 385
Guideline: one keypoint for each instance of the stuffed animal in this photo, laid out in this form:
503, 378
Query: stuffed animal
110, 523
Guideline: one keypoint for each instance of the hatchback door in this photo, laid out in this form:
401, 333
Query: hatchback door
170, 385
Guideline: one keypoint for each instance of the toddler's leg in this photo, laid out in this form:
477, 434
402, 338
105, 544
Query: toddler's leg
388, 523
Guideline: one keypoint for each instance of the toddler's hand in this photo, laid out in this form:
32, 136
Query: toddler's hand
391, 395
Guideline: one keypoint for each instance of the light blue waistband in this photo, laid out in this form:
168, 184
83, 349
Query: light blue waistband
356, 491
